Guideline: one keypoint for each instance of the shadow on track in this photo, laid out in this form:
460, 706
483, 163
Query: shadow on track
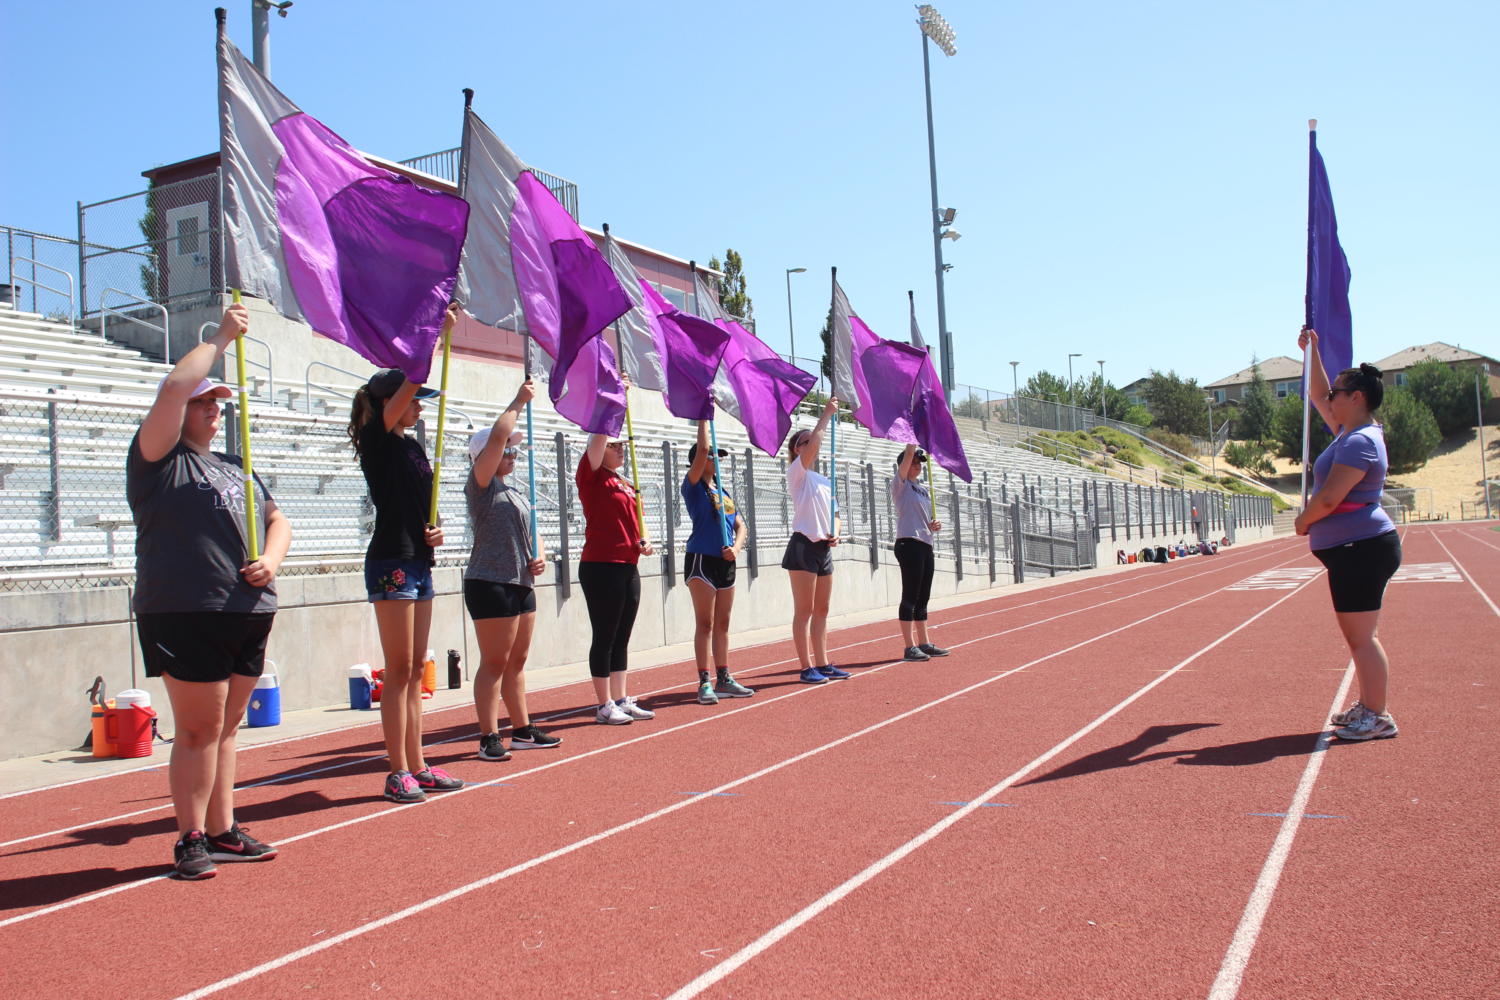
1133, 752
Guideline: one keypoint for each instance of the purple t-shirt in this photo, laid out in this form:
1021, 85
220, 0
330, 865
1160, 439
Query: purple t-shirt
1361, 448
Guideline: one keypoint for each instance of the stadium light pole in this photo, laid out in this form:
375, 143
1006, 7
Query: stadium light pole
1484, 475
1072, 403
1213, 458
1015, 393
791, 332
936, 30
1103, 396
260, 29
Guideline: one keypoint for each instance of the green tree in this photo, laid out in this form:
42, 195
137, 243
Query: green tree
1286, 429
826, 336
1177, 403
1250, 456
1448, 391
731, 288
1411, 431
971, 406
1254, 420
1044, 384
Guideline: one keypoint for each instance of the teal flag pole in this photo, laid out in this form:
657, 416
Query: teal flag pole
713, 438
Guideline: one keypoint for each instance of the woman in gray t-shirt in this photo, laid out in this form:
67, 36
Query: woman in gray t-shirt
203, 608
915, 525
498, 584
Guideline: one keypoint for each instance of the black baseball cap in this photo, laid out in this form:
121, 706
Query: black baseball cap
693, 452
383, 385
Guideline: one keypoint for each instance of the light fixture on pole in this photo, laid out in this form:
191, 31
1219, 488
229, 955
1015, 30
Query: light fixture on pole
1484, 476
260, 32
1103, 396
1015, 394
791, 332
940, 33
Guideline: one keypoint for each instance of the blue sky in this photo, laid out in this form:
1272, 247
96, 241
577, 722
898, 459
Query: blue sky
1130, 179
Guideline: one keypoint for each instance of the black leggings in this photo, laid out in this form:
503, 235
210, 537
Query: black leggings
917, 567
612, 592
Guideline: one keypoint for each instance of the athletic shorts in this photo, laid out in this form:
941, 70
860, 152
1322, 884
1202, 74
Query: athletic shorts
1358, 571
204, 646
485, 599
802, 553
716, 571
398, 580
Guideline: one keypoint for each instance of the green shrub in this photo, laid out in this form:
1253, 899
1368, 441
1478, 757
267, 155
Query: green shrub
1177, 442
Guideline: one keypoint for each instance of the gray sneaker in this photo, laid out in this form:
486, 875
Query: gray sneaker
1369, 726
915, 654
728, 687
706, 694
932, 650
1348, 715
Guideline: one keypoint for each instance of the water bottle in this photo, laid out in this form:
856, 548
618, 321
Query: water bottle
455, 676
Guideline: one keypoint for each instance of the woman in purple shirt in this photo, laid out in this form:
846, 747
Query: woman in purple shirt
1349, 532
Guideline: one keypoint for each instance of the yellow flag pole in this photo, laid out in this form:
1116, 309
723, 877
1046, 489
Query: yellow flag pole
931, 496
437, 451
252, 534
635, 470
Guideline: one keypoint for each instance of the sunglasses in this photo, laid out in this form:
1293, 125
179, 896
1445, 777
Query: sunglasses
1338, 389
510, 453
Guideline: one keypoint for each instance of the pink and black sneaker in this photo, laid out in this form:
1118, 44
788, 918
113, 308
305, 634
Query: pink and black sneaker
435, 779
235, 844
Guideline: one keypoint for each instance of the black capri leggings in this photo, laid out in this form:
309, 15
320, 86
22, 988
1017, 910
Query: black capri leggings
1358, 571
612, 592
917, 567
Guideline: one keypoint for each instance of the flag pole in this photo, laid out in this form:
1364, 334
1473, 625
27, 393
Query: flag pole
536, 538
713, 443
437, 451
833, 428
911, 301
252, 533
635, 469
1307, 317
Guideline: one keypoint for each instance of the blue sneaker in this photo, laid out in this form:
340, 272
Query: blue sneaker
833, 673
812, 675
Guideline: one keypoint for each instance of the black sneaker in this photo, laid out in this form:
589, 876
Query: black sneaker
532, 738
190, 858
235, 844
492, 747
932, 650
914, 654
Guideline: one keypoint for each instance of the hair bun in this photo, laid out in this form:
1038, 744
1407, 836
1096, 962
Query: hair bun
1366, 368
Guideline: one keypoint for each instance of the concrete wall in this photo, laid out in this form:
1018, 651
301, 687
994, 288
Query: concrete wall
54, 644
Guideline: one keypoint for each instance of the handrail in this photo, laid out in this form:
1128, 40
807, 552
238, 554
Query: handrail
307, 381
14, 277
270, 358
107, 311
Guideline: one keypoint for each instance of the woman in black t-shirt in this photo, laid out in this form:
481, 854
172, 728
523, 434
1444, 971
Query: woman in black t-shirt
398, 566
203, 610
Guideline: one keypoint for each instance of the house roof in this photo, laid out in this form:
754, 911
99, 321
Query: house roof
1272, 370
1435, 351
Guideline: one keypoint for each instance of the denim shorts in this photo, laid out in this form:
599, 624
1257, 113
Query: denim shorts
398, 580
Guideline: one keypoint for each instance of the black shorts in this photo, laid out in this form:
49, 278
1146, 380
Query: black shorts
204, 646
802, 553
497, 600
716, 571
1358, 571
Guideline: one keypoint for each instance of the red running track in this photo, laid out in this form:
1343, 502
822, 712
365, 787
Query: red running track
1088, 799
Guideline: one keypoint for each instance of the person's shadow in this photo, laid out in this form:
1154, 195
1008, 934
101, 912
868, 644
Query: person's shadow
1133, 752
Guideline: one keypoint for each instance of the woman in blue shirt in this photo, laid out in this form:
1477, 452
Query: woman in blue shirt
1349, 532
709, 568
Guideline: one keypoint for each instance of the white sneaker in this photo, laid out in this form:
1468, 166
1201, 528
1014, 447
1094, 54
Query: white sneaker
634, 711
1369, 726
610, 714
1348, 715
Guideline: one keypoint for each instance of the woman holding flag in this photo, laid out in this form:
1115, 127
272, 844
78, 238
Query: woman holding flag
613, 544
398, 565
203, 607
914, 537
713, 548
809, 558
1349, 532
503, 566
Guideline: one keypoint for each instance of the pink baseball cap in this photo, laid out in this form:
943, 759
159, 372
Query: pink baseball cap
208, 387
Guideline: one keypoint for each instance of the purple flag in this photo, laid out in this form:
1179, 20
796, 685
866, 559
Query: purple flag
933, 426
690, 352
361, 254
1327, 270
592, 395
767, 388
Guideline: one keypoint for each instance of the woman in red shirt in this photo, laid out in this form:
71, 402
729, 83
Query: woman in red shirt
612, 545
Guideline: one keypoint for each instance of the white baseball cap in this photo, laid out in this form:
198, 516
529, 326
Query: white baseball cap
208, 387
479, 440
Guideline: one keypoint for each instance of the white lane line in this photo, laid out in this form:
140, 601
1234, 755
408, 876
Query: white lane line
296, 775
1468, 576
1227, 983
822, 903
489, 880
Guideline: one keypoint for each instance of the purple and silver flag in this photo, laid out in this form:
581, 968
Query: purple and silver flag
361, 254
875, 377
690, 351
